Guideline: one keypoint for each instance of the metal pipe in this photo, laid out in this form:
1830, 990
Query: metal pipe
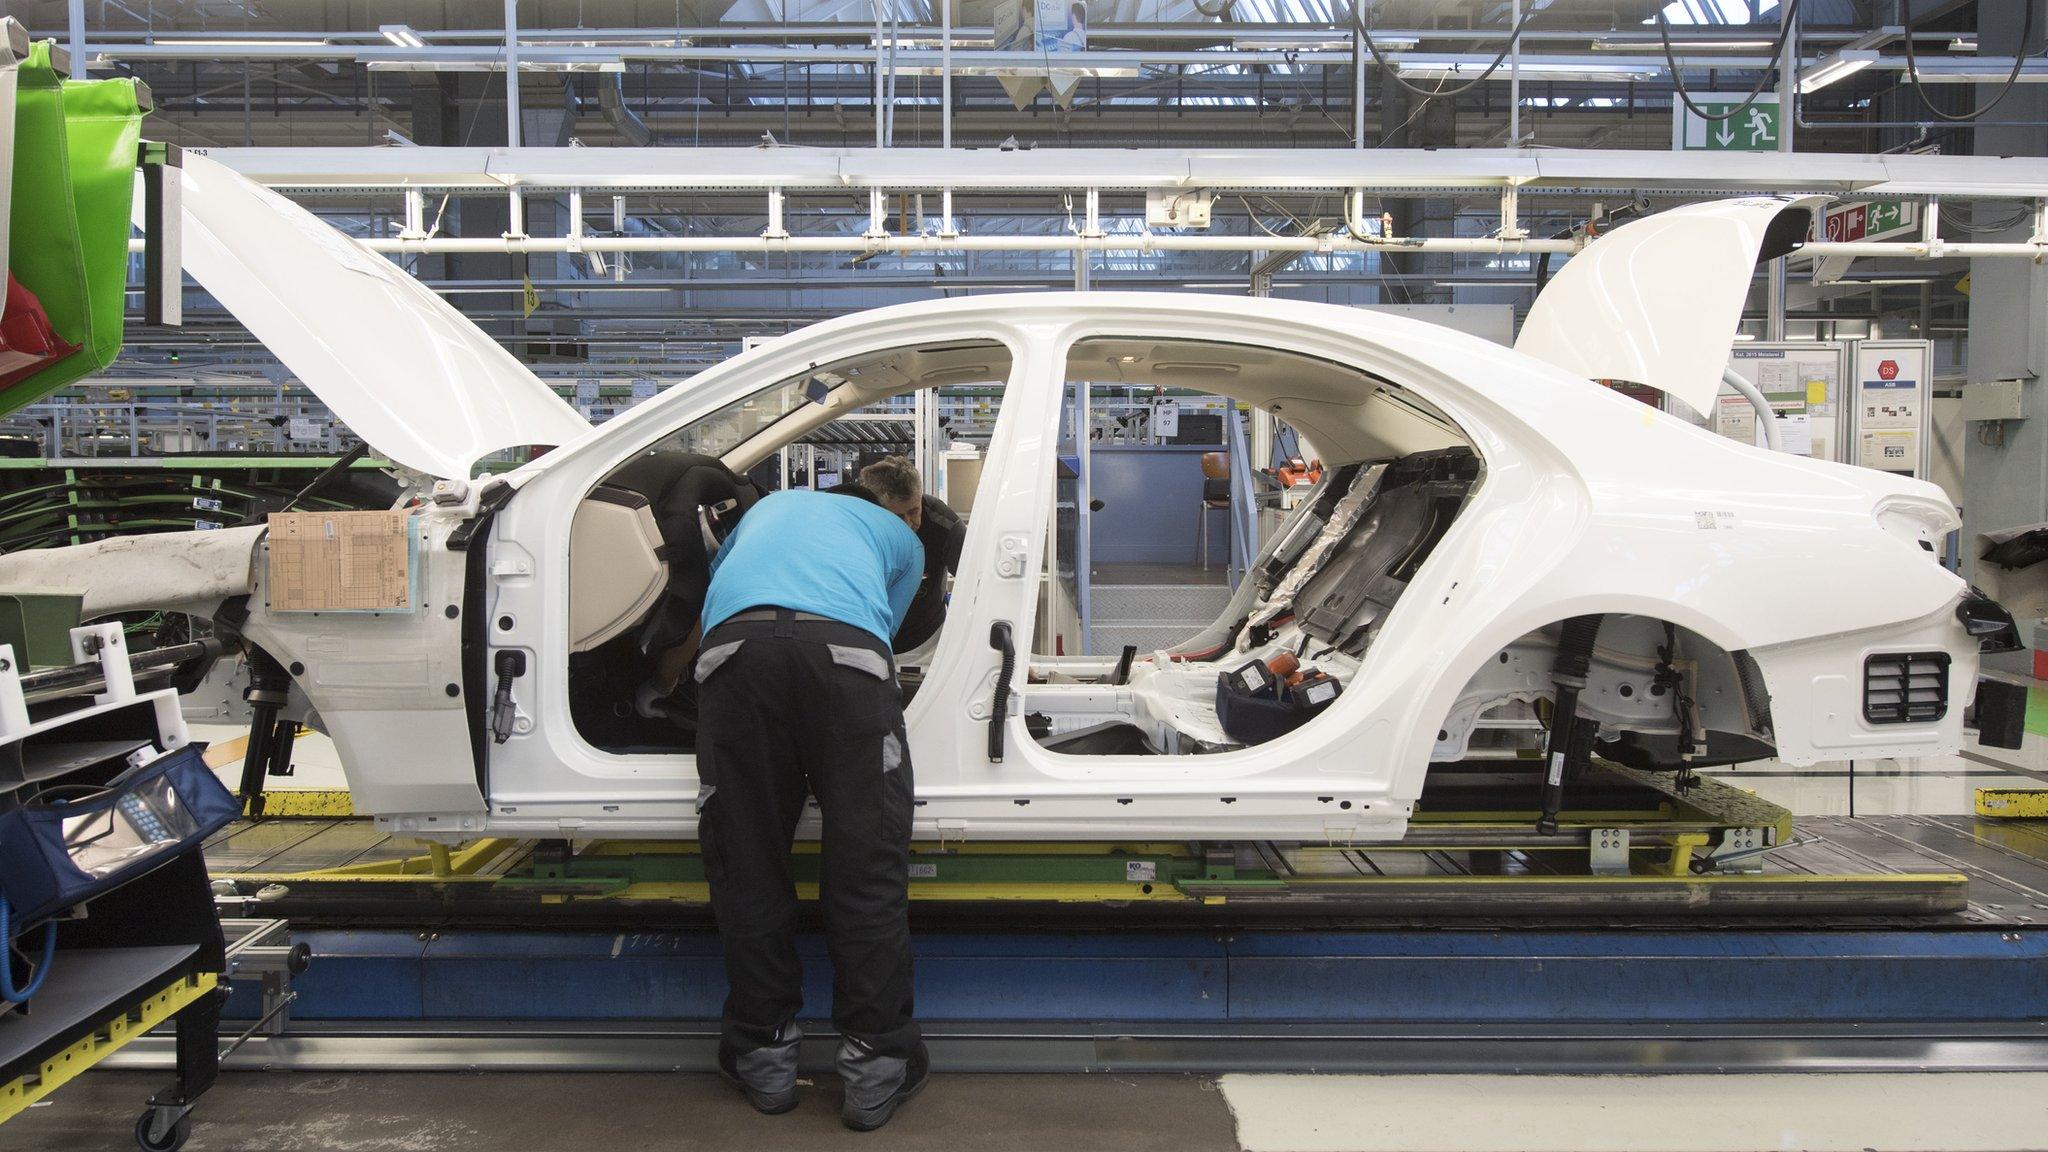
1357, 87
946, 79
881, 46
884, 242
75, 678
1135, 242
1515, 78
1206, 32
76, 16
512, 77
1774, 438
1788, 96
889, 107
444, 57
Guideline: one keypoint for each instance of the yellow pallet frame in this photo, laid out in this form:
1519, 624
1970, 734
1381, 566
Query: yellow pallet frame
65, 1066
2013, 803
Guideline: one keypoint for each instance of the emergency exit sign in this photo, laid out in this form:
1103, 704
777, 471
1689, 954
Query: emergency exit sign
1754, 129
1871, 221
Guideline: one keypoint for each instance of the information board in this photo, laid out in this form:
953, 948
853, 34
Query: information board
1802, 380
1893, 405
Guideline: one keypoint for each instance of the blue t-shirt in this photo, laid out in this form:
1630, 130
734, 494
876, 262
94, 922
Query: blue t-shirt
834, 556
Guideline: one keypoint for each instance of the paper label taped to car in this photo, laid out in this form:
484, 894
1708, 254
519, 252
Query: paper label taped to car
340, 562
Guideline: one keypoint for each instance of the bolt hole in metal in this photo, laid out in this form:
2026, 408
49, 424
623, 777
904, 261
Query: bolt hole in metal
298, 669
505, 623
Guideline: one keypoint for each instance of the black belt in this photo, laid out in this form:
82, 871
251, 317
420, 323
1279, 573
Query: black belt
787, 622
756, 615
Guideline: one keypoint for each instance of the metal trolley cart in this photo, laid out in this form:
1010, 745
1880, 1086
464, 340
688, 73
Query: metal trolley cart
106, 916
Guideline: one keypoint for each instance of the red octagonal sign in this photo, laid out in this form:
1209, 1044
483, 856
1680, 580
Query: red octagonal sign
1888, 369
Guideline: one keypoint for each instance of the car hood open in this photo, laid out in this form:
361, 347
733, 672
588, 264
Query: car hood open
1658, 301
405, 371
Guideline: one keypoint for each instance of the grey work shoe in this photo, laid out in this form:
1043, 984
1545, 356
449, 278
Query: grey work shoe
877, 1085
767, 1075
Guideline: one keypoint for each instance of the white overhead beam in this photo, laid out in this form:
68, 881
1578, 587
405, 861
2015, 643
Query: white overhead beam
1534, 171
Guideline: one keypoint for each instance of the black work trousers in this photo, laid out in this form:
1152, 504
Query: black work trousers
790, 709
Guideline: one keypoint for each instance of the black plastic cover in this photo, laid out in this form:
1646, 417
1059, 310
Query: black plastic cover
2001, 713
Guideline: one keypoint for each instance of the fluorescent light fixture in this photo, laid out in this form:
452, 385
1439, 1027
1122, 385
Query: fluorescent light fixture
1990, 70
1307, 44
253, 43
1829, 69
928, 43
402, 35
1681, 46
477, 64
1539, 69
1053, 64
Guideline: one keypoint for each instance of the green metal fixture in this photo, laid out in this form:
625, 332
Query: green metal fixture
38, 623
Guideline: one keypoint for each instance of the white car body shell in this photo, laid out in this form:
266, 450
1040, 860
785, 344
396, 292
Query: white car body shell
1590, 503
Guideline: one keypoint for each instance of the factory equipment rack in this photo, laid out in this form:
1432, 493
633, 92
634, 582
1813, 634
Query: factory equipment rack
146, 953
75, 500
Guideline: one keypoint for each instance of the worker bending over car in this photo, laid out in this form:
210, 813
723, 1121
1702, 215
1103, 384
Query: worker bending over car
797, 698
894, 481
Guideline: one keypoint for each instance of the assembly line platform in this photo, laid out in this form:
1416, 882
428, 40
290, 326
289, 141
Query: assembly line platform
1877, 942
1633, 845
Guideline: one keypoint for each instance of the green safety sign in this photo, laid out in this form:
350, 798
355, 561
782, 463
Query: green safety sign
1754, 129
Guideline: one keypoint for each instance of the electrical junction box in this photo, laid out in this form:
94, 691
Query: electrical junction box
1993, 400
1189, 208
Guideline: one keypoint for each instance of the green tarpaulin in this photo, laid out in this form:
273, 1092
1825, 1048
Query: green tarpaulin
74, 186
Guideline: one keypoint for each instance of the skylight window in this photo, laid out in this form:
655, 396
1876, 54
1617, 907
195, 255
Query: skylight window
1714, 11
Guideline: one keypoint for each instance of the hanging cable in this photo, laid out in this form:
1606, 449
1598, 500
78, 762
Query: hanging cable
2019, 59
1786, 19
1380, 58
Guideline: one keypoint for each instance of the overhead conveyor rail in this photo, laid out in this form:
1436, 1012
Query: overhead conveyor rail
1087, 174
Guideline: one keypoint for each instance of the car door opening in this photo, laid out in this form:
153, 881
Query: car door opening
1295, 630
643, 538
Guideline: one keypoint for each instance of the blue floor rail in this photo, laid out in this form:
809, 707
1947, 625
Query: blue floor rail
1250, 977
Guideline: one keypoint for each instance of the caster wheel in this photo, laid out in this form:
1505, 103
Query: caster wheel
171, 1141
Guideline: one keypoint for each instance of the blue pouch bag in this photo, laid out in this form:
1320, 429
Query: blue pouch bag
56, 853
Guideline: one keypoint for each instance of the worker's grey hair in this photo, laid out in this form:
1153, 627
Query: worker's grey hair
893, 478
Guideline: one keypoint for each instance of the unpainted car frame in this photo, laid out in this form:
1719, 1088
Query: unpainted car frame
1778, 580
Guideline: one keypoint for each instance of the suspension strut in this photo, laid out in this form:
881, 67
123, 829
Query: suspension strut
1564, 753
270, 734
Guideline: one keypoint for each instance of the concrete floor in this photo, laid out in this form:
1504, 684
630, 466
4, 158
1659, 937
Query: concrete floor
1858, 1112
430, 1112
603, 1112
